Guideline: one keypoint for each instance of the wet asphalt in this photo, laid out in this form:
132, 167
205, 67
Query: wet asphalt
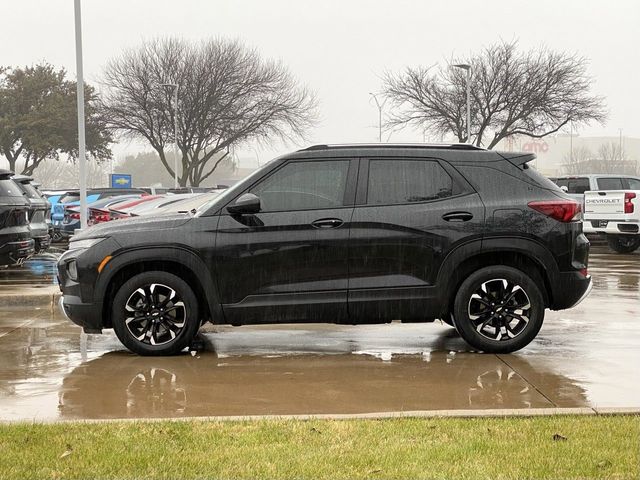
585, 357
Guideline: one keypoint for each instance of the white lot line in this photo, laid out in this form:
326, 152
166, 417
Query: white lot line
23, 324
492, 413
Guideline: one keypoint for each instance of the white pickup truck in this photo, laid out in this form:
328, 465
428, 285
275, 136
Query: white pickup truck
615, 213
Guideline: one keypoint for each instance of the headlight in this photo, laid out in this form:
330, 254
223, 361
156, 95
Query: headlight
72, 270
84, 244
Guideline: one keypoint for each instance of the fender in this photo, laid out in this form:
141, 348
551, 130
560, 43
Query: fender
523, 245
177, 253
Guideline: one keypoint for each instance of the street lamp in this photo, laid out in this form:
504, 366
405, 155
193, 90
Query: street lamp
467, 67
175, 131
82, 158
380, 107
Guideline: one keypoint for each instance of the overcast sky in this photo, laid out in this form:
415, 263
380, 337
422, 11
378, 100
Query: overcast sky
340, 48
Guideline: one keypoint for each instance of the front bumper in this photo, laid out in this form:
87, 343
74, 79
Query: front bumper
42, 243
573, 288
12, 253
86, 315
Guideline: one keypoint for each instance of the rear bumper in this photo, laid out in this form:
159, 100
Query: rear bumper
612, 227
574, 288
86, 315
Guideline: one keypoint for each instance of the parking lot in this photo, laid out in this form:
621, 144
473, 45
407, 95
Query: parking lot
584, 357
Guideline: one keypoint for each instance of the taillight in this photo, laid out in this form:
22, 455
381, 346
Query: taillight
561, 210
74, 215
628, 204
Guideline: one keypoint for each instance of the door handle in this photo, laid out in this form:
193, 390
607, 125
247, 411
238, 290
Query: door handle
327, 223
457, 216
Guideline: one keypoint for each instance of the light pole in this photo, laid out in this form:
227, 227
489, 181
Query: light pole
82, 158
467, 67
175, 131
380, 107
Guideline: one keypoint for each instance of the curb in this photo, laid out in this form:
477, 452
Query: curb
47, 299
434, 414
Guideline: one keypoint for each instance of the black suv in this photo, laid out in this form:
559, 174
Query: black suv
16, 243
342, 234
39, 212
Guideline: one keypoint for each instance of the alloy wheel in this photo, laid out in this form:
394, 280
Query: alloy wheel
499, 310
155, 314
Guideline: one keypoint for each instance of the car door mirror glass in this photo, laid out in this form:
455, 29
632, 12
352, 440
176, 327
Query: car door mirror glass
246, 203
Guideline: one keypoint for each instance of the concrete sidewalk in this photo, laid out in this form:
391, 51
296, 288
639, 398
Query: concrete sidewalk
29, 296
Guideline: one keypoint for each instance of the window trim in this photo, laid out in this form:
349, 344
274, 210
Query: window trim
350, 183
458, 188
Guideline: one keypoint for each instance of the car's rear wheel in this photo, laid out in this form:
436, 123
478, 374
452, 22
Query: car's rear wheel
498, 309
623, 243
155, 313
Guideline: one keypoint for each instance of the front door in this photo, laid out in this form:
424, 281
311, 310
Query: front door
288, 262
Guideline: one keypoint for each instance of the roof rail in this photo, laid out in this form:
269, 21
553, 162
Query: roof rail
440, 146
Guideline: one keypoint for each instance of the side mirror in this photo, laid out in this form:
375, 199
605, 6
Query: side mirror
247, 203
564, 188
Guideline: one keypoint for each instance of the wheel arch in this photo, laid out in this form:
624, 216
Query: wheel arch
523, 254
179, 261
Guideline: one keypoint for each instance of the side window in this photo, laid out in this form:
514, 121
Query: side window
610, 184
634, 183
578, 185
309, 185
407, 181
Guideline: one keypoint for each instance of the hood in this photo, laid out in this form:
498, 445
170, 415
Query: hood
133, 225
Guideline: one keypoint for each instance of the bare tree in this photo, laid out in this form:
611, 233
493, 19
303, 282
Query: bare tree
227, 95
533, 94
575, 162
608, 159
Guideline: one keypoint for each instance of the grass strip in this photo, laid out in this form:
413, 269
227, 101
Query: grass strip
556, 447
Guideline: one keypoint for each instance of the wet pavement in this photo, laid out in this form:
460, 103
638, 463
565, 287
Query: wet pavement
584, 357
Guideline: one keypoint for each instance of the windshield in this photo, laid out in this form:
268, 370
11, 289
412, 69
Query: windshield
230, 192
30, 191
8, 188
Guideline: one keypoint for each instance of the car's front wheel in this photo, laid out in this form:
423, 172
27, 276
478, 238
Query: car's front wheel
155, 313
498, 309
623, 243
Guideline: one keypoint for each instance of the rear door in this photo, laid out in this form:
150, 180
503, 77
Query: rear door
409, 214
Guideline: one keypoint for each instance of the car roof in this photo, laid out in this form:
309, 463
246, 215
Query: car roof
454, 152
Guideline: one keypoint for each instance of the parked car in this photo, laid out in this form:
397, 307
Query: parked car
577, 185
121, 209
16, 243
47, 217
342, 234
39, 211
97, 211
188, 204
615, 214
70, 221
152, 207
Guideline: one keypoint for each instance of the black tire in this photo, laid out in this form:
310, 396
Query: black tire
167, 322
623, 243
497, 321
